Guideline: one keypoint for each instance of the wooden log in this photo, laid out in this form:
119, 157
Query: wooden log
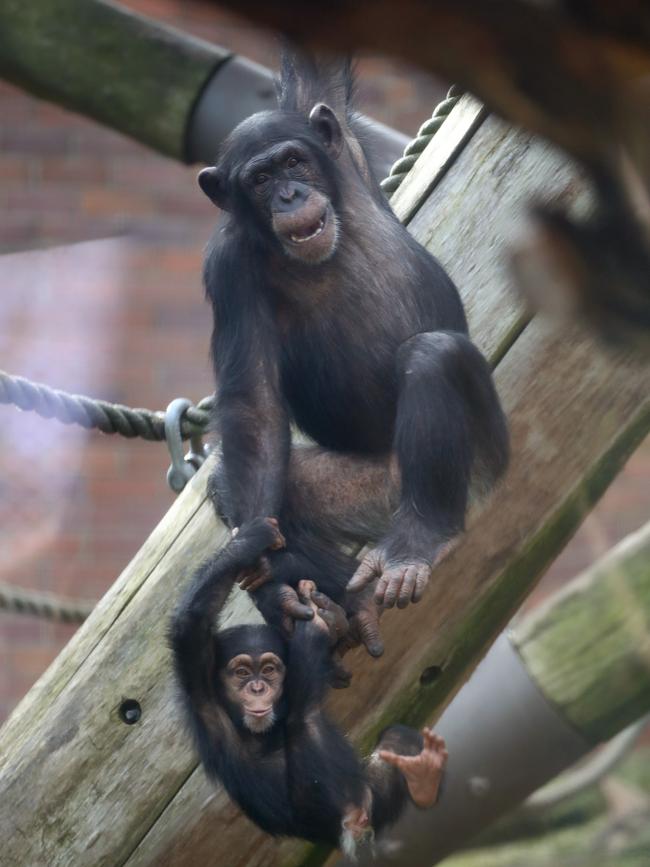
79, 787
101, 59
588, 647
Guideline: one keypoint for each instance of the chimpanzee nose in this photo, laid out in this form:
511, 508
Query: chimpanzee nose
288, 194
257, 687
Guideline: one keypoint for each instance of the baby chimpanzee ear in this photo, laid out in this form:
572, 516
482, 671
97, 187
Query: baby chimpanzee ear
212, 183
326, 124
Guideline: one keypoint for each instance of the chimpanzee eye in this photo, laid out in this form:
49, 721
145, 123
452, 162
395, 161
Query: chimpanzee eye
268, 669
260, 178
241, 672
291, 162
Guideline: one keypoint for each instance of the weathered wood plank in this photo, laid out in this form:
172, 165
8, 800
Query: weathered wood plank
438, 156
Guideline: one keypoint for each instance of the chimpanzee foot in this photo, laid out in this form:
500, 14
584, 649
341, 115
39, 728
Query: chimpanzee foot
356, 821
423, 773
398, 582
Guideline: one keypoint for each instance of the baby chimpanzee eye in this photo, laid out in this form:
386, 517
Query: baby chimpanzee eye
268, 669
291, 162
241, 672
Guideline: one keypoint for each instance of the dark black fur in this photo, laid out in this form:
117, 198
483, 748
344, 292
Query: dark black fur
367, 352
298, 778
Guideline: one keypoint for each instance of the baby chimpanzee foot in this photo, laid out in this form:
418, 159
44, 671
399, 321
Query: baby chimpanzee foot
423, 772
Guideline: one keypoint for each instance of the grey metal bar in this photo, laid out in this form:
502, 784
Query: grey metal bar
504, 742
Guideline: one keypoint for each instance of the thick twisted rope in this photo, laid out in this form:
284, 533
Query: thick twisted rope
110, 418
414, 148
44, 605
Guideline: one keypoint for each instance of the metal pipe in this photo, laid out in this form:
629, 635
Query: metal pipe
504, 740
238, 88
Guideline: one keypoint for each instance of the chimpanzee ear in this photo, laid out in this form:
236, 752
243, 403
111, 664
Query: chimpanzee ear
326, 124
212, 183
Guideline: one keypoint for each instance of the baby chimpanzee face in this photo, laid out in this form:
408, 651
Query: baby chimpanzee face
253, 684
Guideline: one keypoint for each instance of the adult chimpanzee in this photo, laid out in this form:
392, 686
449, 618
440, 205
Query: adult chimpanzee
329, 314
254, 699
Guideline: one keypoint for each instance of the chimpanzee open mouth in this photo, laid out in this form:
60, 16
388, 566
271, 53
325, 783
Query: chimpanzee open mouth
309, 232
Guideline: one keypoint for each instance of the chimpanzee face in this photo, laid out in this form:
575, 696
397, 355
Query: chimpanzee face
283, 183
253, 684
288, 191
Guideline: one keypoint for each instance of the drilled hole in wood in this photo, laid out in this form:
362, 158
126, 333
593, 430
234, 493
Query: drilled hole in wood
430, 675
130, 711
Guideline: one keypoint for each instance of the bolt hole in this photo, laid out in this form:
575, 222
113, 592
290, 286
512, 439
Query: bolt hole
130, 711
430, 675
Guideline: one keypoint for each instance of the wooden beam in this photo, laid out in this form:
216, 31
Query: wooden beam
588, 647
101, 59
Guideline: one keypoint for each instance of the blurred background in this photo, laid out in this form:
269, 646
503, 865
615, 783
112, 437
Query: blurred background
100, 275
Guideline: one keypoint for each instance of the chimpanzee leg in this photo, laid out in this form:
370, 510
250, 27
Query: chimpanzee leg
334, 496
450, 431
331, 499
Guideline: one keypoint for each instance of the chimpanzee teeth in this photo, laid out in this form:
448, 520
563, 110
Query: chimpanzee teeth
301, 240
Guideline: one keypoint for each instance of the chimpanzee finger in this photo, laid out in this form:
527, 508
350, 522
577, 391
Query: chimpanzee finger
391, 758
380, 589
340, 618
366, 572
421, 581
253, 582
366, 623
407, 588
395, 579
294, 608
305, 589
279, 540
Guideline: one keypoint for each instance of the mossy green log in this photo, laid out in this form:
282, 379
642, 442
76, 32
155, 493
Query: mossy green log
100, 59
588, 649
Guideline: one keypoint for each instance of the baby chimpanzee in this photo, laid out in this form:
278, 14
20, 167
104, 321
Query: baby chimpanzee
255, 702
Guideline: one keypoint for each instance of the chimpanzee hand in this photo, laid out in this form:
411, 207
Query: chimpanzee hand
363, 617
328, 616
279, 605
332, 619
398, 581
259, 574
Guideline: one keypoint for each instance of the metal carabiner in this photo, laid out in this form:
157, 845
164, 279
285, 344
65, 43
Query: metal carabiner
182, 466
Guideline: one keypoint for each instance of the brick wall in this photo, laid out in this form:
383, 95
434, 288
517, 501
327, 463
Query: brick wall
111, 305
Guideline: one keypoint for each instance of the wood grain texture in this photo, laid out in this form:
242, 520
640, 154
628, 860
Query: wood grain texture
438, 156
79, 787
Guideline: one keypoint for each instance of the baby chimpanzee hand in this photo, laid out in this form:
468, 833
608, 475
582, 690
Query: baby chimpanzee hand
257, 575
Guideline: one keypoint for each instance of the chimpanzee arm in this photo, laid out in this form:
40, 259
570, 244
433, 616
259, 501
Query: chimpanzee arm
260, 790
250, 411
193, 643
308, 671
